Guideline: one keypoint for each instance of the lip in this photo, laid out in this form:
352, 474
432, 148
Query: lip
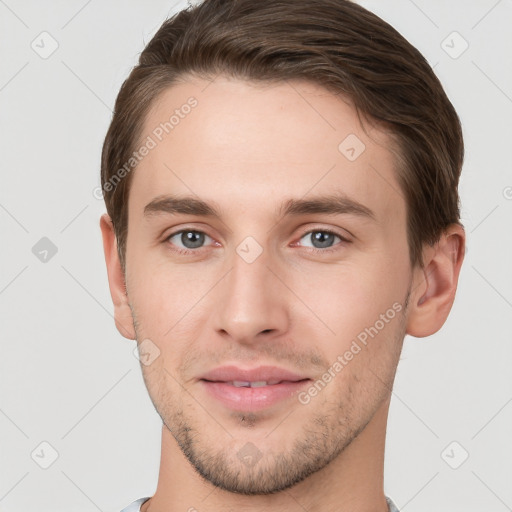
217, 383
261, 373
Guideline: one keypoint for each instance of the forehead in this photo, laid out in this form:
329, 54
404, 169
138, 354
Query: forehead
249, 145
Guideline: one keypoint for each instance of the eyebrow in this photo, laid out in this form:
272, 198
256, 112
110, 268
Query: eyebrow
333, 204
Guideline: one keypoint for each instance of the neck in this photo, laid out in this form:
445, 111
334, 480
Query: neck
352, 482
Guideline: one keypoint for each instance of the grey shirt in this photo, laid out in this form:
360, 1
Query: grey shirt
135, 506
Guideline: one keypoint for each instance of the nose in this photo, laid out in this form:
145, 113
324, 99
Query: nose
251, 301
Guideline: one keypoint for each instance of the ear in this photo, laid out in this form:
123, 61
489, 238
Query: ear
435, 284
122, 313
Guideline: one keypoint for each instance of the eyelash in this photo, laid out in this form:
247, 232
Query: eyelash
315, 250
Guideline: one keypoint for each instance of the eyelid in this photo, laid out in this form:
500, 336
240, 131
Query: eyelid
338, 232
176, 230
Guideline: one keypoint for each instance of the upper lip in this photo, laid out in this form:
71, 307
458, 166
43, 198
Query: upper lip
261, 373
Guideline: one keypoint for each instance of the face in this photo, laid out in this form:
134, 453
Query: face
266, 229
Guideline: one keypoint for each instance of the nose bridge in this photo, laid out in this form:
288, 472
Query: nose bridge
251, 299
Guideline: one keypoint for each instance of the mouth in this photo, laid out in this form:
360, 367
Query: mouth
251, 396
260, 375
254, 384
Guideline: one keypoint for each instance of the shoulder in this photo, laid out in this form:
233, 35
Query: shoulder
135, 506
391, 505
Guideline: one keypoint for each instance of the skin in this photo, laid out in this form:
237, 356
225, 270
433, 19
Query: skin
246, 149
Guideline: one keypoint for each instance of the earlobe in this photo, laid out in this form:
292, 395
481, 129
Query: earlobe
435, 285
116, 279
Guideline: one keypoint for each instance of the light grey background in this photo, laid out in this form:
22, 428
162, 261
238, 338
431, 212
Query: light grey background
69, 379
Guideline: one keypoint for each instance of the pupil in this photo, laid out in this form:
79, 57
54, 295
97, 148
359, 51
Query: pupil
322, 239
192, 239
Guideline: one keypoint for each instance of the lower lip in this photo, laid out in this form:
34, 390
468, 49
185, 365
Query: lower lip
253, 399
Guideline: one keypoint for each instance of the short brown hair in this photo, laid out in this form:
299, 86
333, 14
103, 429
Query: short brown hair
333, 43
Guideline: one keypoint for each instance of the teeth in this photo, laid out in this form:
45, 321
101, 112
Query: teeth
257, 384
240, 384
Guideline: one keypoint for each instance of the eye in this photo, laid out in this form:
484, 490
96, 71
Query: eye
321, 239
188, 239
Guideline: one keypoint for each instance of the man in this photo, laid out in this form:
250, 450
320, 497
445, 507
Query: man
281, 187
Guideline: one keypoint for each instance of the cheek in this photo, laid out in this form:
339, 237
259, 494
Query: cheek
361, 307
168, 297
349, 298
